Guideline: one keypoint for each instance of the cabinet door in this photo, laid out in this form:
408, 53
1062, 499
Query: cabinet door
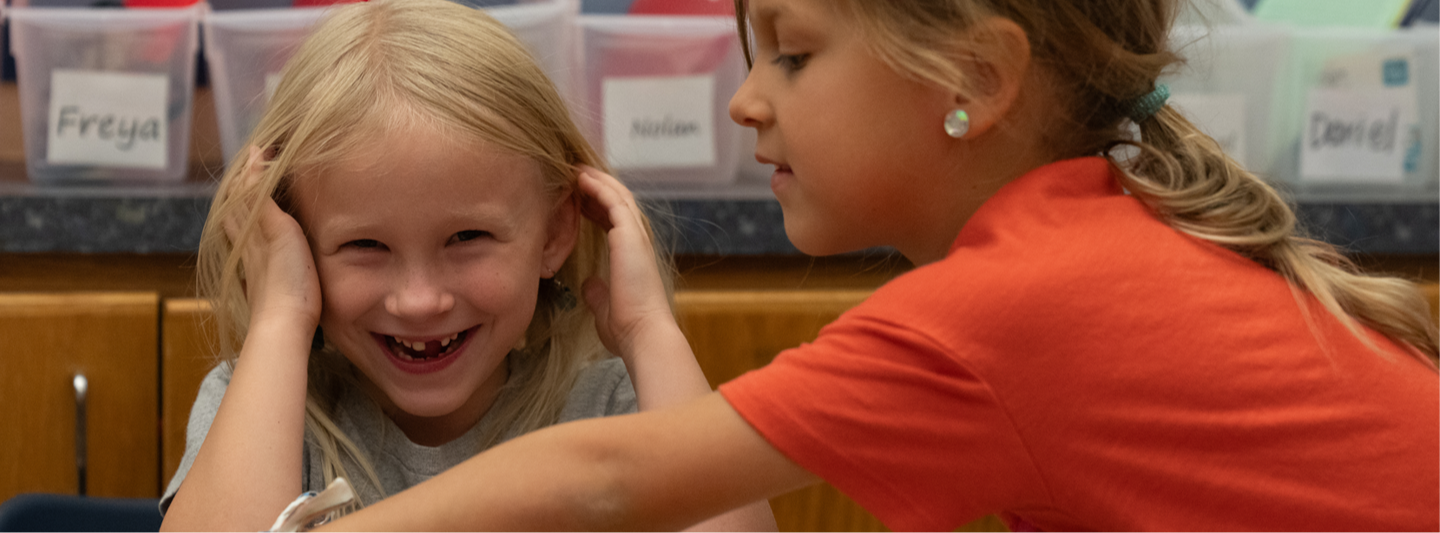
187, 354
45, 341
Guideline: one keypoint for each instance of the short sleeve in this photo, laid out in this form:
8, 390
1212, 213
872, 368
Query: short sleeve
891, 418
202, 414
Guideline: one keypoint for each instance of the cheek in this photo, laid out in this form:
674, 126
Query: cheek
347, 292
498, 291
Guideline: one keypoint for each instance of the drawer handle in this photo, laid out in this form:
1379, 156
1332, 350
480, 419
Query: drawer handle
82, 386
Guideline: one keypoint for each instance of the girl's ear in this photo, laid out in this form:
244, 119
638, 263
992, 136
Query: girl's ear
997, 63
561, 232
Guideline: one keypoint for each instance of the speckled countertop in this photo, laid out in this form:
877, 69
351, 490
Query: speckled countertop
743, 219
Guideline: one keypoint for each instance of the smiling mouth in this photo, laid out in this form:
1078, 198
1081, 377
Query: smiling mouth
424, 350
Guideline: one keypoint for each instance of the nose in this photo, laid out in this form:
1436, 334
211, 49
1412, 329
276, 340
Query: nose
419, 294
747, 108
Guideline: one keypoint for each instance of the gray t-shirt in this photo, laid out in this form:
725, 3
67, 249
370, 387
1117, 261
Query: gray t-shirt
602, 389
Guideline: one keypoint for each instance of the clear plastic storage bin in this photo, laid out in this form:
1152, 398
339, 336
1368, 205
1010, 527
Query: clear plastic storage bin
656, 97
1230, 85
245, 50
547, 27
1362, 120
105, 94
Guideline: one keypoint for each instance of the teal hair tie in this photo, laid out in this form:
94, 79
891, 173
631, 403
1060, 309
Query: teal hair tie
1147, 106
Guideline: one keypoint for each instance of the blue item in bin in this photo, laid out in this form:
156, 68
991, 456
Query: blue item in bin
607, 7
227, 5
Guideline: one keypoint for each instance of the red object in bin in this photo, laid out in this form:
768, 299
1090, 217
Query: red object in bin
160, 3
320, 3
683, 7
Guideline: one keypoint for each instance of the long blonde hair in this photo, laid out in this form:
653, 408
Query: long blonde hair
445, 64
1103, 55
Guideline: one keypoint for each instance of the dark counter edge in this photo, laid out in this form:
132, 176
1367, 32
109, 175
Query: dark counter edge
171, 223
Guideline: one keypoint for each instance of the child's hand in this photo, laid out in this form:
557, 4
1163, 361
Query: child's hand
280, 278
633, 306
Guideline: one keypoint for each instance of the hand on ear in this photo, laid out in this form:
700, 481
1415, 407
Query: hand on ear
633, 303
280, 278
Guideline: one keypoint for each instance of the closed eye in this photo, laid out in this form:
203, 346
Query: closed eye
469, 235
791, 62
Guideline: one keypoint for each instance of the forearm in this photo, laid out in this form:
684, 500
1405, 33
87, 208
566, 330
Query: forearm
663, 370
248, 468
557, 479
665, 469
670, 376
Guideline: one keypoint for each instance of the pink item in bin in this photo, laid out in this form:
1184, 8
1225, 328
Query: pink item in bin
321, 3
160, 3
682, 7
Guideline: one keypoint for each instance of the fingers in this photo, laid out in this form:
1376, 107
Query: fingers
606, 201
597, 297
250, 178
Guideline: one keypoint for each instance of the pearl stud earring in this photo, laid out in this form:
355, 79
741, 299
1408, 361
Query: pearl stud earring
957, 123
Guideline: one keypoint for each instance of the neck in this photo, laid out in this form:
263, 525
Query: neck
438, 430
980, 168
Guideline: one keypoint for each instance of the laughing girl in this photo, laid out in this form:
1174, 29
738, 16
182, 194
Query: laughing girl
391, 274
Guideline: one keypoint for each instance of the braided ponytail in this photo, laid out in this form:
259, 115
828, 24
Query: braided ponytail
1182, 175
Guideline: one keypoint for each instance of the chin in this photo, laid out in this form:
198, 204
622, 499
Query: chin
428, 404
814, 247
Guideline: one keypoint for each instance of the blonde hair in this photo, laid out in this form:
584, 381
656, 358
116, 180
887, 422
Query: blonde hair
1102, 55
365, 67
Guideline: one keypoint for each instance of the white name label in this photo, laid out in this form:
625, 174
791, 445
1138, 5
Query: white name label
1357, 135
108, 118
1221, 116
654, 122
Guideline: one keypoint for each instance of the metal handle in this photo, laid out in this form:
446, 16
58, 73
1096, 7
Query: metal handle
82, 386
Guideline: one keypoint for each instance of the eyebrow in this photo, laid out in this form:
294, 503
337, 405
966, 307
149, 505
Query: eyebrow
766, 12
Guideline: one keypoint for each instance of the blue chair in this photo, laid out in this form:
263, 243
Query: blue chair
62, 512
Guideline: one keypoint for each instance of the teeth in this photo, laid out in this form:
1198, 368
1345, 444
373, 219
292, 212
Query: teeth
419, 346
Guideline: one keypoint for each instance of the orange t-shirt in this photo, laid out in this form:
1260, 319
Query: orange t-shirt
1075, 364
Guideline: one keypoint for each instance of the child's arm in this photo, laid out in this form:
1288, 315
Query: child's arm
635, 322
248, 468
653, 470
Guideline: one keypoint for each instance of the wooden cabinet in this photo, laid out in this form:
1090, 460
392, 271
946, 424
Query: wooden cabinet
187, 354
49, 339
144, 352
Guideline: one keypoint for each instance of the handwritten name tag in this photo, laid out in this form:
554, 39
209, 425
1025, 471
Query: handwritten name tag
1219, 115
1357, 135
655, 122
107, 119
